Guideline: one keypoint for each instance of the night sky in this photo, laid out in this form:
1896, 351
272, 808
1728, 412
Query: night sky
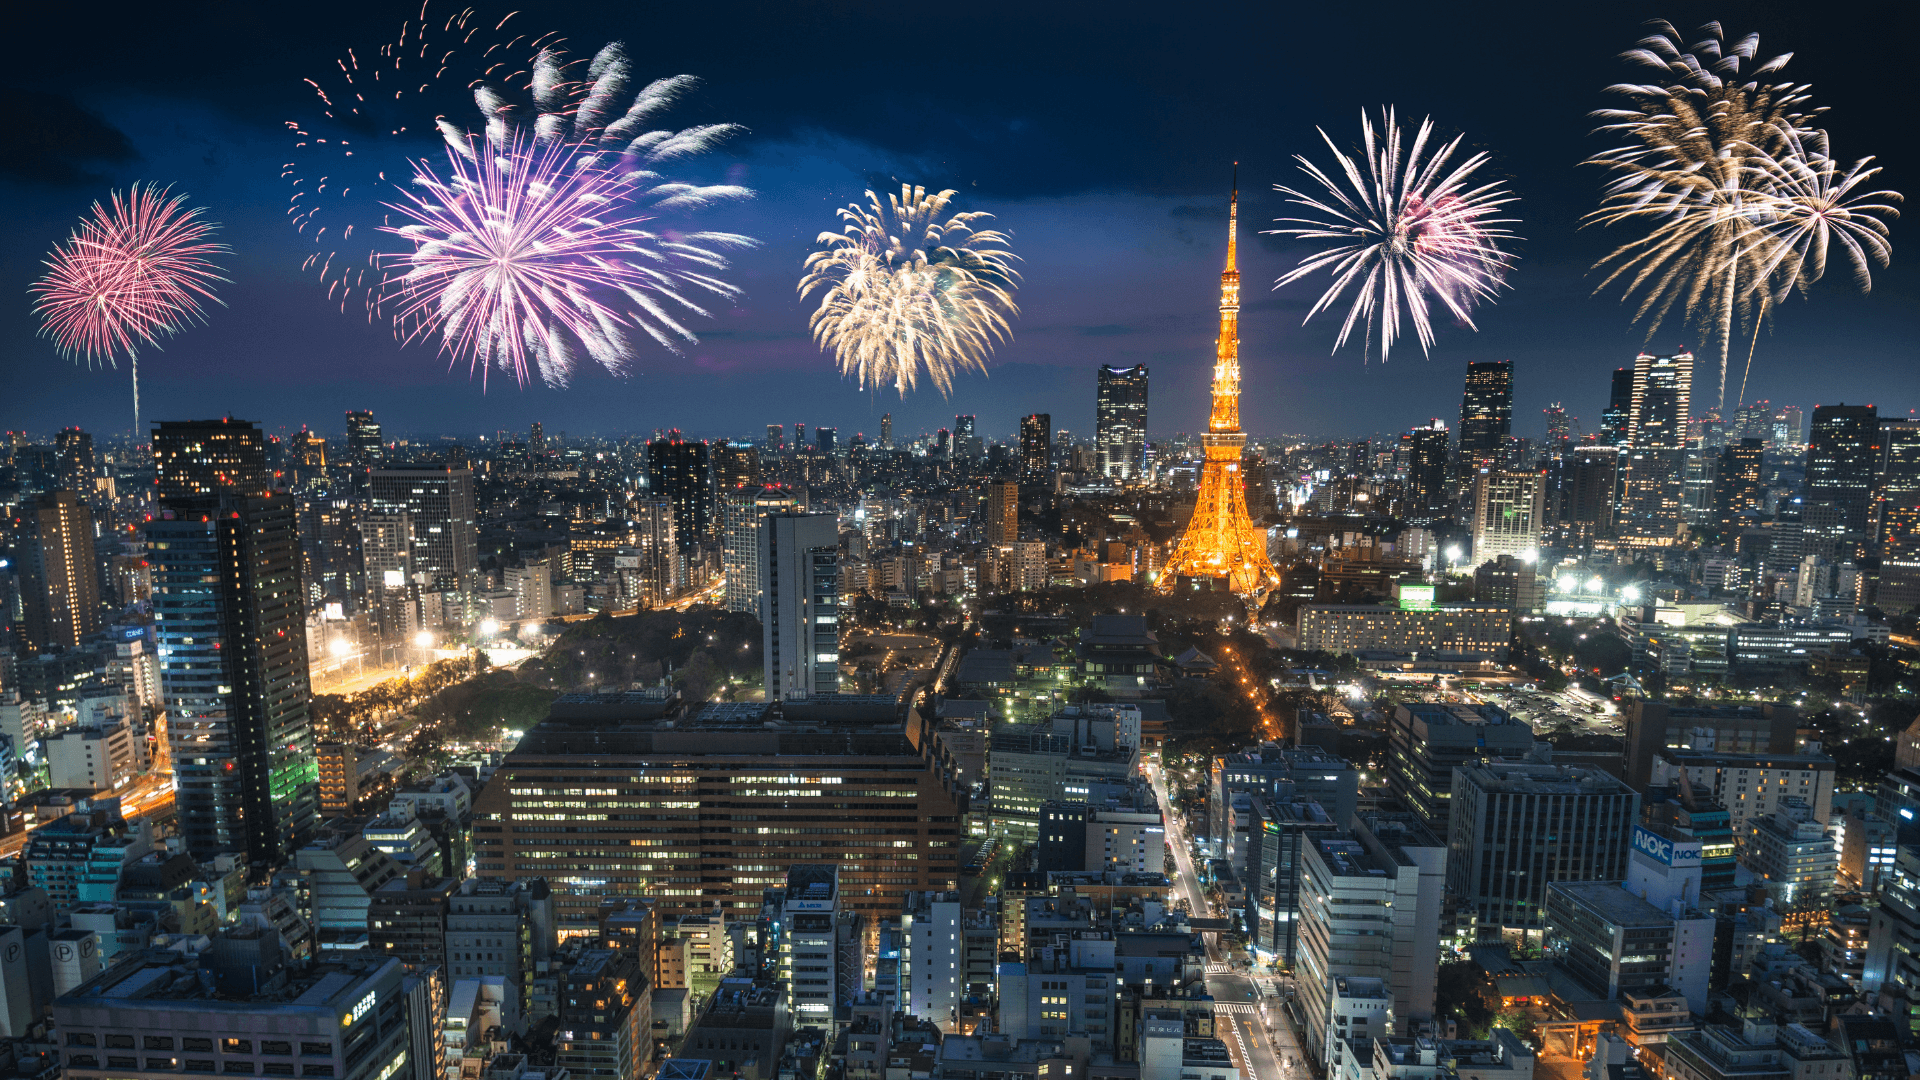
1100, 135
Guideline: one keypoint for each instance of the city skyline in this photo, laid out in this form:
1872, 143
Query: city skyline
1116, 252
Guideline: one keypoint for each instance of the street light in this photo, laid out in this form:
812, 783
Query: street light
339, 647
423, 639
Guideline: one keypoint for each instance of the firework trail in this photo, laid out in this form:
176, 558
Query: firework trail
1401, 228
345, 158
128, 275
903, 291
1715, 167
521, 253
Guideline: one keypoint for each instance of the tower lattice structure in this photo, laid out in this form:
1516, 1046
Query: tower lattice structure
1221, 542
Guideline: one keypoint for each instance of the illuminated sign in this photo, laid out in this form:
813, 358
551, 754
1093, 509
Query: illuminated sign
1414, 597
360, 1009
1665, 851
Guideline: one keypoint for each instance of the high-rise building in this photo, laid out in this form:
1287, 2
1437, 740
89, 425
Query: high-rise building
1221, 548
1514, 827
1788, 427
536, 441
208, 457
799, 556
363, 439
967, 444
678, 471
799, 436
1120, 424
1656, 448
1559, 429
792, 764
1843, 452
826, 439
809, 952
1036, 449
1618, 415
1003, 513
1426, 473
742, 509
438, 500
1508, 514
1589, 478
886, 431
1896, 495
776, 439
59, 583
76, 461
230, 617
1486, 414
1426, 742
1739, 486
735, 464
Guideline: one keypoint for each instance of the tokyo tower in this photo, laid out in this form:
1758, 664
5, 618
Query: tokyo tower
1222, 549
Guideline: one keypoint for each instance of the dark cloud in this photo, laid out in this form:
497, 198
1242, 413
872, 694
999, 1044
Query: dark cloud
56, 140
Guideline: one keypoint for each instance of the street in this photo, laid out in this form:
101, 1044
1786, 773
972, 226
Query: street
1249, 1024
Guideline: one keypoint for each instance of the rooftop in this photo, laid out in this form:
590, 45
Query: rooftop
1503, 777
1611, 902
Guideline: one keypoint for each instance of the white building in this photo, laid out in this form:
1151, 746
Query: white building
98, 758
800, 618
532, 588
1359, 1008
932, 958
809, 954
1507, 514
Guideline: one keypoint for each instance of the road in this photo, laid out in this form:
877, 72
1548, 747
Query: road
1241, 1016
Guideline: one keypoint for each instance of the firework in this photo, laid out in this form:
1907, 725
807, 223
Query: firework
904, 292
1697, 169
346, 155
128, 275
1401, 228
1813, 204
521, 256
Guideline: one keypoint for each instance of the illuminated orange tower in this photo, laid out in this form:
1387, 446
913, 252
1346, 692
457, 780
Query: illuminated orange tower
1221, 548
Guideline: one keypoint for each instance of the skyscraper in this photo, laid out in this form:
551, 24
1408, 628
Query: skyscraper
1120, 426
1788, 424
1426, 473
1619, 412
208, 457
1036, 449
1843, 451
886, 431
1589, 479
735, 464
231, 623
677, 470
827, 439
439, 500
1897, 485
1508, 514
59, 583
1738, 487
741, 511
1656, 453
536, 441
1003, 513
1221, 548
799, 556
1559, 429
776, 439
363, 439
76, 462
966, 444
1486, 413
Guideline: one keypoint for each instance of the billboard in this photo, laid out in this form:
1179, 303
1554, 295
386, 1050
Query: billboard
1664, 851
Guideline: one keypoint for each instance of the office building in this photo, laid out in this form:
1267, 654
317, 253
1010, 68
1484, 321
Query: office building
59, 578
1036, 449
97, 758
799, 565
363, 439
438, 501
836, 771
735, 465
967, 444
678, 471
886, 431
1509, 512
234, 1004
1426, 457
1792, 857
1427, 741
1616, 420
1278, 834
826, 440
1449, 636
809, 954
1750, 786
1654, 725
230, 616
1617, 945
505, 930
1514, 827
1512, 583
776, 439
932, 958
1739, 487
1486, 414
407, 919
1370, 908
742, 509
1890, 975
1843, 451
606, 1018
1120, 423
1656, 448
1589, 479
208, 457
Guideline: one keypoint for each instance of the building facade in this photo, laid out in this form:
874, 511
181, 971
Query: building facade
1120, 424
799, 569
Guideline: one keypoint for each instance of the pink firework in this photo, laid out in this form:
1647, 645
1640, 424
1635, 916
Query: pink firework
528, 252
128, 276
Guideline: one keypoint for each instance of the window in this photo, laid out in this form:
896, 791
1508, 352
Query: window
119, 1042
278, 1049
236, 1046
190, 1043
159, 1064
244, 1068
158, 1042
316, 1070
277, 1068
81, 1038
123, 1062
200, 1065
316, 1049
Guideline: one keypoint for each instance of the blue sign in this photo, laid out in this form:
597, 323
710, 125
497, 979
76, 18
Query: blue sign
1665, 851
